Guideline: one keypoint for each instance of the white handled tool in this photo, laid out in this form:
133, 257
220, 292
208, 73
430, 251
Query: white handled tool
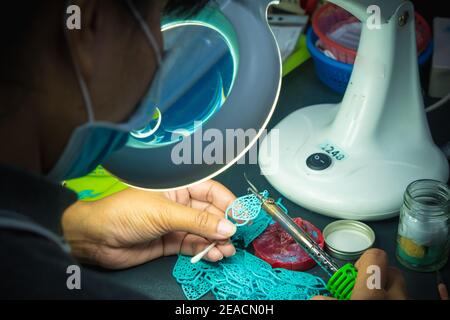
200, 255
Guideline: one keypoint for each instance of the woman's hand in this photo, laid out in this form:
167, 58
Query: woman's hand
135, 226
392, 284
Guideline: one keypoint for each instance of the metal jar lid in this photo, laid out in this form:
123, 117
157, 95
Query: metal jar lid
348, 239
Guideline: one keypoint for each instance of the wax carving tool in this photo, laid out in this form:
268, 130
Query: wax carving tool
342, 280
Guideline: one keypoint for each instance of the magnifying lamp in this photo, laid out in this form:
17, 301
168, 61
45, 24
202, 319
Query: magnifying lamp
227, 76
355, 159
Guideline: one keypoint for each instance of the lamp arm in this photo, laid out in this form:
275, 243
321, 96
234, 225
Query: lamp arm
384, 89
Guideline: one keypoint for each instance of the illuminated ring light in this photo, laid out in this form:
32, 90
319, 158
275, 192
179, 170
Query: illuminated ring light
142, 134
170, 129
215, 20
253, 95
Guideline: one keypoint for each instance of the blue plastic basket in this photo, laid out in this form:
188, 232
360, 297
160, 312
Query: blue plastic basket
336, 74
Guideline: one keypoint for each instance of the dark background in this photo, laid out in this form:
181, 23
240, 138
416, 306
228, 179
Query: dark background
300, 88
440, 119
432, 8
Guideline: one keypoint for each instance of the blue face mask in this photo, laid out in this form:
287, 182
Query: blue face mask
93, 142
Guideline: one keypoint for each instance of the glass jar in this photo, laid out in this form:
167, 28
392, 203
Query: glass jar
423, 232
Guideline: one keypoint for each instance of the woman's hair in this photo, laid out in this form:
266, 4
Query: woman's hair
16, 15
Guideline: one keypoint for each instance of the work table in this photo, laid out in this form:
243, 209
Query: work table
301, 88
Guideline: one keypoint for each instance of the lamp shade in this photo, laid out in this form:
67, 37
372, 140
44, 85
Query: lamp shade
223, 86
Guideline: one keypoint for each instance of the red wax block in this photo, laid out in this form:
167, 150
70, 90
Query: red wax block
280, 250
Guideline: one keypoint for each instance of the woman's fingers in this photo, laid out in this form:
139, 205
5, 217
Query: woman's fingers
321, 298
203, 223
396, 285
211, 197
192, 245
372, 276
227, 249
206, 206
213, 192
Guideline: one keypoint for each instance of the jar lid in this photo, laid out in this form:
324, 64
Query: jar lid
348, 239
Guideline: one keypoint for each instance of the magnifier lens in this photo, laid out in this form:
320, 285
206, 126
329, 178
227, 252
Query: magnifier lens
195, 88
150, 128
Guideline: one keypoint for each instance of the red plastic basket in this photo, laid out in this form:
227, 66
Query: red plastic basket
330, 17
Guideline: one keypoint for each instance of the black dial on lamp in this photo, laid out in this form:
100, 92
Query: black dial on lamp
319, 161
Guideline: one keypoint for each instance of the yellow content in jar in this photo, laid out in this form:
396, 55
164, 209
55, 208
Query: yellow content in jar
411, 248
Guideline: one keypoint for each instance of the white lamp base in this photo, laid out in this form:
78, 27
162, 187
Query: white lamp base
367, 183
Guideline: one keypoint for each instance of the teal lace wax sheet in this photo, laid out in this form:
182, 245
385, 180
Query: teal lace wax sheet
245, 276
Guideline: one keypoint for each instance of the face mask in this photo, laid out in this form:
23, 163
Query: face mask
93, 142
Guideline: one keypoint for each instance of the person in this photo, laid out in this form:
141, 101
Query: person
391, 285
57, 85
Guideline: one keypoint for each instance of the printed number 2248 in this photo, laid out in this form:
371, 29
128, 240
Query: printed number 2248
333, 151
